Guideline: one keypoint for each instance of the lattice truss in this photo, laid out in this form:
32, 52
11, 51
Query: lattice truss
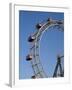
33, 55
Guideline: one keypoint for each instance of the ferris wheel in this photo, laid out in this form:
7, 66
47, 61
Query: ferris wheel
34, 56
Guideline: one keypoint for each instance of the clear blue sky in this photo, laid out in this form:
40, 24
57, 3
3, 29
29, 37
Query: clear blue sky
51, 44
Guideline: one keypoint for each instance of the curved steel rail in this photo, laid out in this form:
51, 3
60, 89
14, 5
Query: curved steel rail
34, 50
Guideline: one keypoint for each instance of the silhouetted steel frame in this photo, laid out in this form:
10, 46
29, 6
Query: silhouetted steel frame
60, 67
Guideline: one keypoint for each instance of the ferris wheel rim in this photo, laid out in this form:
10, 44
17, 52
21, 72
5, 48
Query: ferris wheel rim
36, 41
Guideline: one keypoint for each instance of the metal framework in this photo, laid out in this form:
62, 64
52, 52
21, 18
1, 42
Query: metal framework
58, 65
34, 39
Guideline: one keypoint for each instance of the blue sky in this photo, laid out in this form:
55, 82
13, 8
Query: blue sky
51, 44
